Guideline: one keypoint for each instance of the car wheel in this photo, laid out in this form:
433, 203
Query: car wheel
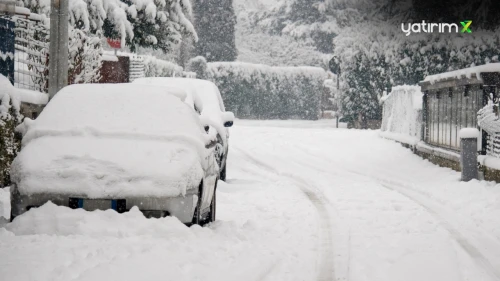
222, 174
197, 215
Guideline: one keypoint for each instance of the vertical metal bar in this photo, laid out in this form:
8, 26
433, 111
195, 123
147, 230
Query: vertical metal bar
62, 62
58, 54
438, 119
450, 98
54, 46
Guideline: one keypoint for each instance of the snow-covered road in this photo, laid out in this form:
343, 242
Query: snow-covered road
303, 201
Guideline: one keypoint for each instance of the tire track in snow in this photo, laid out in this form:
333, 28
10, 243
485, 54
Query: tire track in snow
432, 208
327, 262
461, 240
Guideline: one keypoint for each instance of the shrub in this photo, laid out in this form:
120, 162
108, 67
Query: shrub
9, 119
154, 67
263, 92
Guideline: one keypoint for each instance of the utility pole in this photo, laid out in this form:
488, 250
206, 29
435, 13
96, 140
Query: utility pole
334, 66
58, 52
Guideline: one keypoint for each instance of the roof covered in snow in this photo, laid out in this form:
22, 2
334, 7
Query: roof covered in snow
464, 73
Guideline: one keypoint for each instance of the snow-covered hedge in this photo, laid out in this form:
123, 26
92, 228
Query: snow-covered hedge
402, 114
263, 92
154, 67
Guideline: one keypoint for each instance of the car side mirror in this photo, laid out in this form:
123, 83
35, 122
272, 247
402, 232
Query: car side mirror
228, 119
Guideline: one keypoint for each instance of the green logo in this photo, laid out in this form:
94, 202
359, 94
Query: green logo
466, 25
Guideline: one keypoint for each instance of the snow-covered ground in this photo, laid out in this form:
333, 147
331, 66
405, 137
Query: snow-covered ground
303, 201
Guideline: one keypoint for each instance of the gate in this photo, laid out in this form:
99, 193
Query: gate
7, 48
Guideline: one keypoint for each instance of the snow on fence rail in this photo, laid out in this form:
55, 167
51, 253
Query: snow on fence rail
263, 92
402, 115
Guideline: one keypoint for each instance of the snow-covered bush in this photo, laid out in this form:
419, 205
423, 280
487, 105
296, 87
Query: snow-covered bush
402, 114
10, 117
85, 53
265, 92
154, 67
198, 65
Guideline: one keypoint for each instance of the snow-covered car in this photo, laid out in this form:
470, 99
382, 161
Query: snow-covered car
204, 97
116, 146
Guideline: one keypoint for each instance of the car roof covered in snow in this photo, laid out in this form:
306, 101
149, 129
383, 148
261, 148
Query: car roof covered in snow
116, 109
205, 90
191, 95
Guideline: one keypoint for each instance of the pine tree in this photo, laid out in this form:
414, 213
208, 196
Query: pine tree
215, 22
9, 119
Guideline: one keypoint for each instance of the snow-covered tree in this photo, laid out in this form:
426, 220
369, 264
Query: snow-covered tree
85, 54
156, 24
215, 23
9, 119
376, 55
256, 45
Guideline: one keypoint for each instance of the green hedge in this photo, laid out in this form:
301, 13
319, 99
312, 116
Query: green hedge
254, 91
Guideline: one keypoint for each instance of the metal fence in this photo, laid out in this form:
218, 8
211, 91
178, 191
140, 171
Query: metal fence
32, 54
450, 110
7, 49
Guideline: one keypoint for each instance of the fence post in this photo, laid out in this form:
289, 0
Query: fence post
468, 154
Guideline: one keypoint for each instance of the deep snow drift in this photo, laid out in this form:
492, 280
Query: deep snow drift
305, 203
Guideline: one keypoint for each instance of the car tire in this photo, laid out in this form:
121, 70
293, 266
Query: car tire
222, 174
197, 216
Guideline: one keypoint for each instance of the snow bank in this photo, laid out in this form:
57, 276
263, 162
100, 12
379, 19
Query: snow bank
401, 118
466, 72
107, 140
258, 91
50, 219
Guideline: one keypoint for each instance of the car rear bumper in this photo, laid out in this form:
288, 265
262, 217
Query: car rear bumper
181, 207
